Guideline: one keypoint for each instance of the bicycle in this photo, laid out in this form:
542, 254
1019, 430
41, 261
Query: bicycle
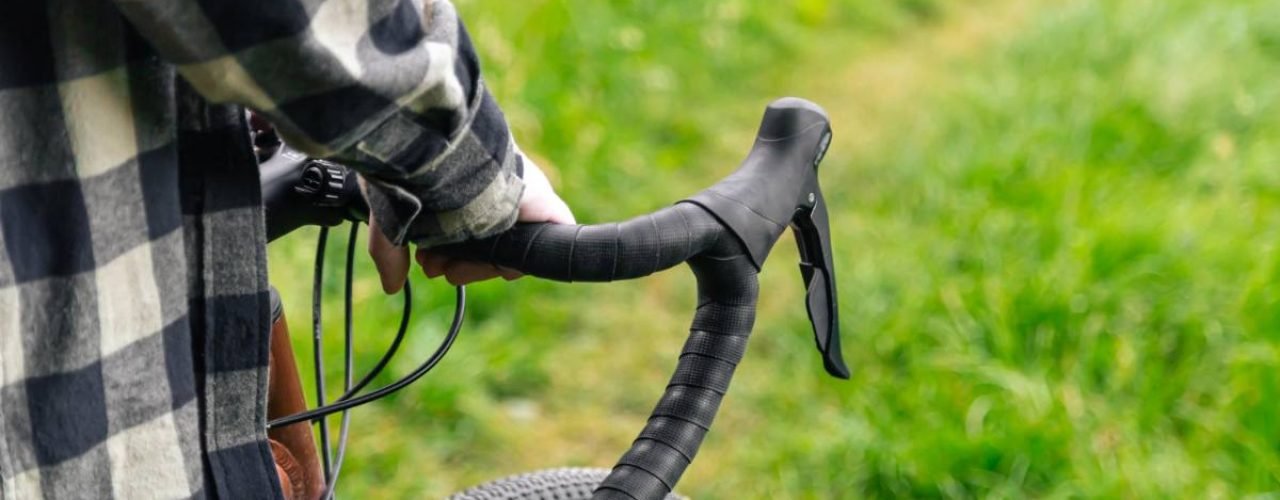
724, 233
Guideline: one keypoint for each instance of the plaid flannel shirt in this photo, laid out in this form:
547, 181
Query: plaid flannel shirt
134, 313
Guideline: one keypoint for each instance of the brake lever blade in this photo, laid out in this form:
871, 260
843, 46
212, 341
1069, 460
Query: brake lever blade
813, 237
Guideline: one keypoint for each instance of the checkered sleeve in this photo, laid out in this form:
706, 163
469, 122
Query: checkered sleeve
390, 87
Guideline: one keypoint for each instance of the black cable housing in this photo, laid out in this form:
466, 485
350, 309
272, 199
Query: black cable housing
317, 344
350, 399
460, 306
391, 350
331, 483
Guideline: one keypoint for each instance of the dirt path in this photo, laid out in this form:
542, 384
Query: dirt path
885, 80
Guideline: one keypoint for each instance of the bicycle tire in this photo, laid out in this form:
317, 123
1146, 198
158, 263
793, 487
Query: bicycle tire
569, 483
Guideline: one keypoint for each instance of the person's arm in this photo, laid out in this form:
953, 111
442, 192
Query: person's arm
390, 87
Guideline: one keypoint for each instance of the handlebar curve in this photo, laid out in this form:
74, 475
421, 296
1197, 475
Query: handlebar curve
725, 234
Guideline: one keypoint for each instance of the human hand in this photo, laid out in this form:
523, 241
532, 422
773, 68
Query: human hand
539, 203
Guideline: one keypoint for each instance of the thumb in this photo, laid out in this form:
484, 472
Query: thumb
540, 203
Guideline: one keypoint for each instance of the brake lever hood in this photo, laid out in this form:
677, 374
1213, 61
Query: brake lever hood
777, 187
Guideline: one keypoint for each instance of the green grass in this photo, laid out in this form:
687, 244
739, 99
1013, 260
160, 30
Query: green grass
1057, 227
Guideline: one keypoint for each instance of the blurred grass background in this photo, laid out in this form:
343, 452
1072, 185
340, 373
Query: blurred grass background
1056, 225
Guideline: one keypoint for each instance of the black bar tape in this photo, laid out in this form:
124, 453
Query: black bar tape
611, 495
722, 347
696, 370
656, 458
689, 403
600, 252
678, 434
597, 248
725, 320
727, 292
636, 483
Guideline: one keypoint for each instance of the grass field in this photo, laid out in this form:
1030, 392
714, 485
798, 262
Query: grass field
1057, 226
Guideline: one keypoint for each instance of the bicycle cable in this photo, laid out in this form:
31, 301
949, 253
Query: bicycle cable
331, 482
351, 399
332, 464
391, 350
317, 346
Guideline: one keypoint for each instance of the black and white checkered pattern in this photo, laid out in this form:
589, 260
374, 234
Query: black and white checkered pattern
134, 317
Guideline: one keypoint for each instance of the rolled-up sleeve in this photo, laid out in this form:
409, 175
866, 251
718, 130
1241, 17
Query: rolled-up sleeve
391, 88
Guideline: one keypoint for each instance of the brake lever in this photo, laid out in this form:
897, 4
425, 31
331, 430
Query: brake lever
791, 144
812, 233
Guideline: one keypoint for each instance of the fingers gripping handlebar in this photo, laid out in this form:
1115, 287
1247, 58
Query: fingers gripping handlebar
725, 233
